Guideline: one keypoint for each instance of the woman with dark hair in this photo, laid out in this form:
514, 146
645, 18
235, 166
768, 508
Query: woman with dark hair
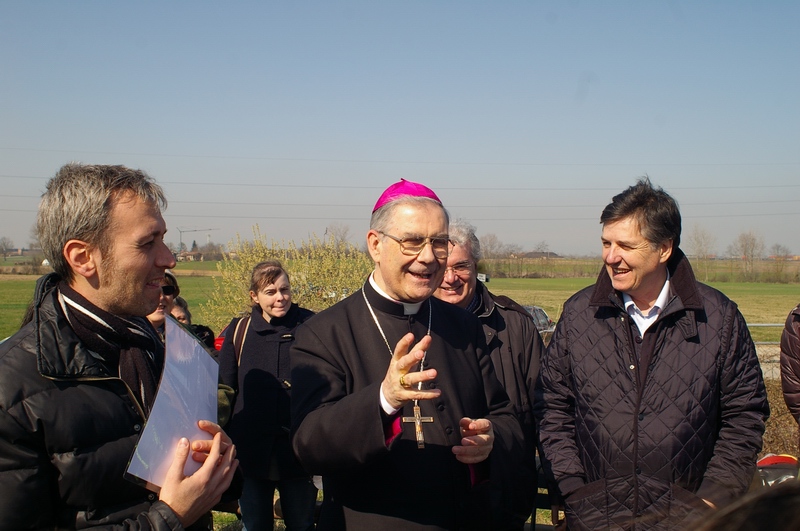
254, 360
180, 311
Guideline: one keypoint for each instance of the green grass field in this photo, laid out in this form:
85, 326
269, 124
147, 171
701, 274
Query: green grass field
759, 302
196, 266
16, 291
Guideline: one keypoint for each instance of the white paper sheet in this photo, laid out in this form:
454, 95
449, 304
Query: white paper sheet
187, 393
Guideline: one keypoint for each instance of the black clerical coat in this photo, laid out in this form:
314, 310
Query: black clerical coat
339, 360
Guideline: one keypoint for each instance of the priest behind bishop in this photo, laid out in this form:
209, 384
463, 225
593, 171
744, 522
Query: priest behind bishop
395, 402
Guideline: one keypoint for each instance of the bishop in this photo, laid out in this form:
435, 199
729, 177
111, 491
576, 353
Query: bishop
360, 385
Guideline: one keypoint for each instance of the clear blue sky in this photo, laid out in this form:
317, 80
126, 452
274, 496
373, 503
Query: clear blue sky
526, 117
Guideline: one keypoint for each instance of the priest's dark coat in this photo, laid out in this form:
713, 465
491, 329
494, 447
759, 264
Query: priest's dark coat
339, 360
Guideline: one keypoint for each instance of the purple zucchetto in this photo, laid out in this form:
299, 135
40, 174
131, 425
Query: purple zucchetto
405, 188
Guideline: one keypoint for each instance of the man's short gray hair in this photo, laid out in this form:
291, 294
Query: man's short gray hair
463, 233
77, 205
382, 217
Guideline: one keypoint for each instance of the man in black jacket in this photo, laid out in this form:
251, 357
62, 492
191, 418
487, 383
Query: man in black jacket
78, 381
514, 346
650, 402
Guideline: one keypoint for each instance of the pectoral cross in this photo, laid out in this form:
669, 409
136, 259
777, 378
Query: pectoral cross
418, 420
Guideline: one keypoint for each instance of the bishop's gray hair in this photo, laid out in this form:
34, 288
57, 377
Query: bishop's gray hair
381, 218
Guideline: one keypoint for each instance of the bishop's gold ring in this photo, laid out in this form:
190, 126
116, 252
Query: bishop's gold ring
403, 381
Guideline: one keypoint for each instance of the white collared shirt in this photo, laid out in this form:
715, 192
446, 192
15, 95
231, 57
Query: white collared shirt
643, 321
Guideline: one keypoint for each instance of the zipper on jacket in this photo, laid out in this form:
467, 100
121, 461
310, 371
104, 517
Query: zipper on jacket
105, 379
625, 319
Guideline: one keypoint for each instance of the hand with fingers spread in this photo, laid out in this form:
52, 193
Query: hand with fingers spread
400, 383
477, 440
190, 497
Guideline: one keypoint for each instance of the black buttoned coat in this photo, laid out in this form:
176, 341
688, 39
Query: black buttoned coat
261, 377
340, 431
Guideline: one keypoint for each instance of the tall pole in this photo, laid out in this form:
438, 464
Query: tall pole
180, 238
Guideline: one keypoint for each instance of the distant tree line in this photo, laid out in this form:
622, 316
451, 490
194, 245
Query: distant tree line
746, 259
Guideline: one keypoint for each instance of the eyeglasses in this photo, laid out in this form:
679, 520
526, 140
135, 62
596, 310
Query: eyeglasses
413, 246
168, 290
461, 269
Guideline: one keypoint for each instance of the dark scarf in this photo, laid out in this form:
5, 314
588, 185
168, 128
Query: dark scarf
476, 301
129, 347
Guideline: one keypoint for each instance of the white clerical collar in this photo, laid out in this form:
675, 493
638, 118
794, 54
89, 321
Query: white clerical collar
644, 321
409, 308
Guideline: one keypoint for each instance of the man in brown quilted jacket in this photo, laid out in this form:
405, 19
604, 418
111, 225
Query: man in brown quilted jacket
650, 401
790, 362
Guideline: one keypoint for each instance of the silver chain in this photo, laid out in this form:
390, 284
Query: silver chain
380, 329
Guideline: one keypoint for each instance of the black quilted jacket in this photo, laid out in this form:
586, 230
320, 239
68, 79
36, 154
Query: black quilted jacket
66, 437
638, 447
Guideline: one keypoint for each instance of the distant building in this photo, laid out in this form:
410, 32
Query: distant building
189, 256
540, 254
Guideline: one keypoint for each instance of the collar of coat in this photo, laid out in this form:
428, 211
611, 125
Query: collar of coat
489, 301
277, 324
685, 299
60, 354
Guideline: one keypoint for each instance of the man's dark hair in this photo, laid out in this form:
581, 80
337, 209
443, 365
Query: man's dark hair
776, 507
204, 334
654, 210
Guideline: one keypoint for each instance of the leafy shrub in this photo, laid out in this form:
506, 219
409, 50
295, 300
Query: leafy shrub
322, 272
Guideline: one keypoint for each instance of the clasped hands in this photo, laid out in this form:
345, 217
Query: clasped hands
400, 386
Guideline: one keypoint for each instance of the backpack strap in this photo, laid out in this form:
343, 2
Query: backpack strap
239, 335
